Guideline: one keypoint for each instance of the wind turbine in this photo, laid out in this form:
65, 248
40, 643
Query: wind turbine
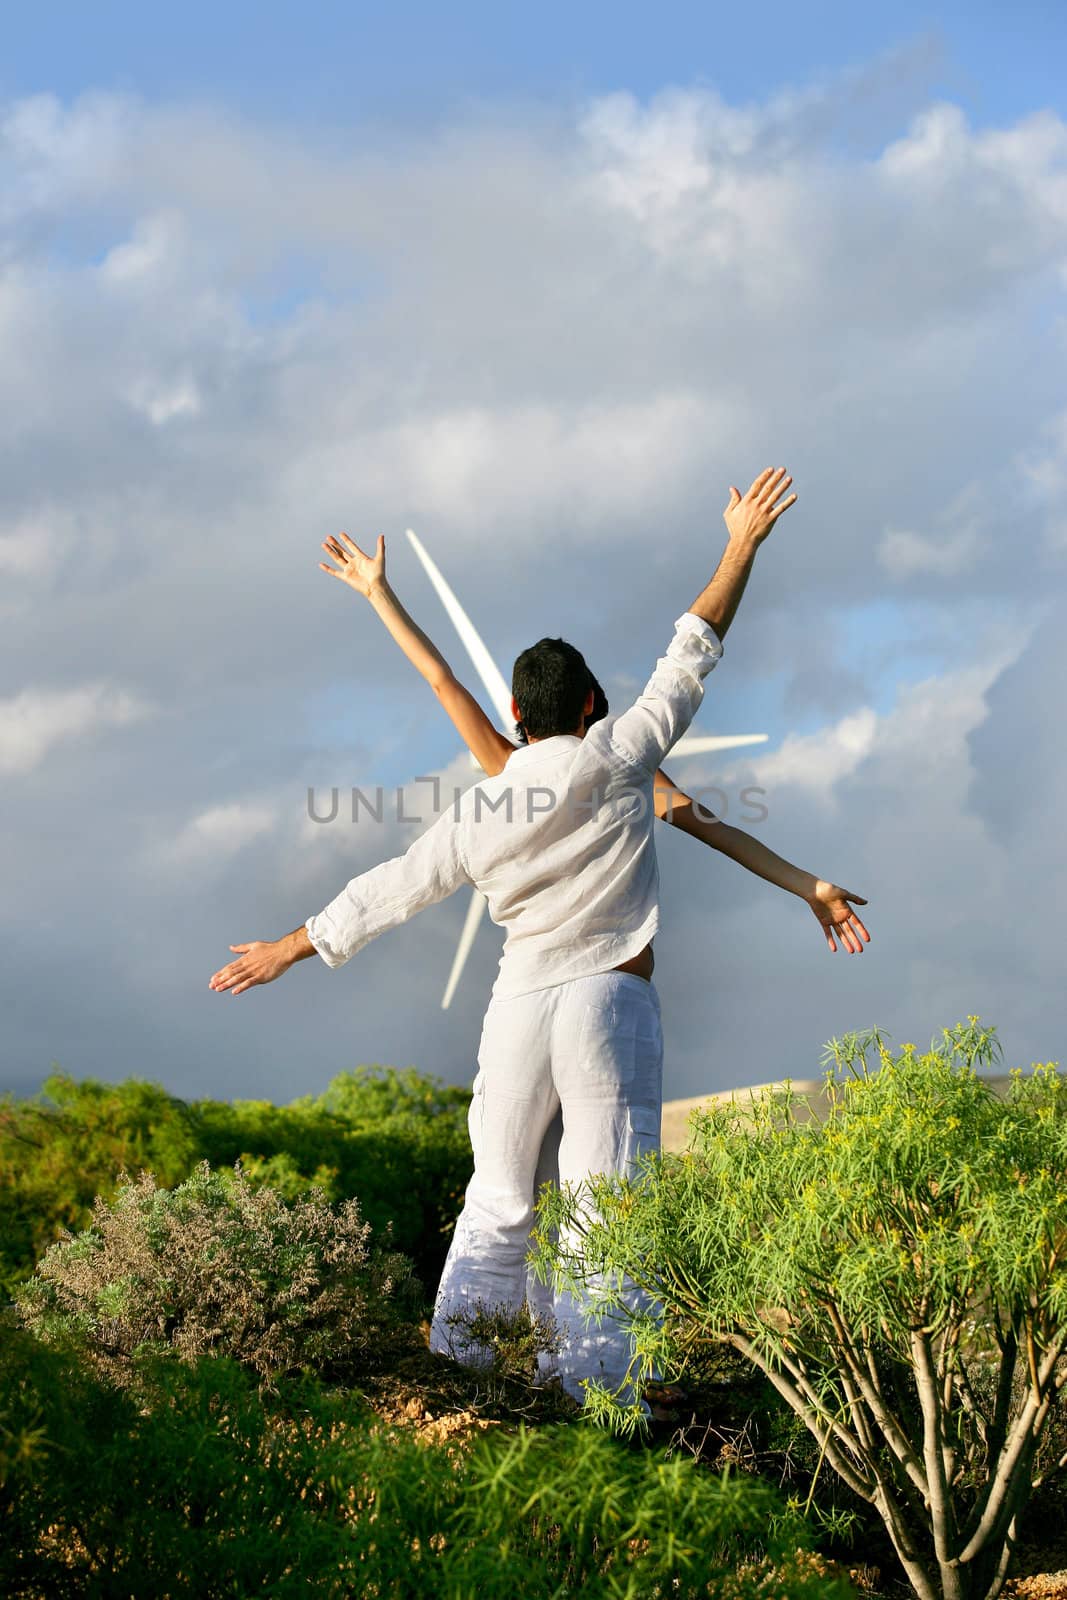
499, 694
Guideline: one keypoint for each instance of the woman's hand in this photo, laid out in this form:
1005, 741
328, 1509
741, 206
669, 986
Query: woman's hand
830, 904
353, 566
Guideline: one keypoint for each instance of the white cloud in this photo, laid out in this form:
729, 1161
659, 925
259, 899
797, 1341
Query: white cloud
958, 538
24, 549
151, 248
907, 555
817, 762
1016, 175
479, 468
921, 738
548, 343
34, 722
1044, 470
937, 144
652, 159
162, 401
217, 834
51, 153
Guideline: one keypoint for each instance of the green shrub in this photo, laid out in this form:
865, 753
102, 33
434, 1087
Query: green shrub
397, 1140
192, 1483
63, 1147
216, 1266
189, 1483
568, 1511
898, 1271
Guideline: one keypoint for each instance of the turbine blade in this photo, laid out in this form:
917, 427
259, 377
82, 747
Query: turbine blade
484, 665
475, 912
700, 744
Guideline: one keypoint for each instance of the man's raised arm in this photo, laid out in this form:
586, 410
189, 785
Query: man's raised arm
672, 696
749, 519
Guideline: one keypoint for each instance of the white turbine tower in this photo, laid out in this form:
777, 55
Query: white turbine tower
500, 698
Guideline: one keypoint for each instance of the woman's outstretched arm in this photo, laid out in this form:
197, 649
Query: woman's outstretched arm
832, 905
366, 575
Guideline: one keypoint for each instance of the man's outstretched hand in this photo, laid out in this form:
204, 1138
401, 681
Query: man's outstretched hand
262, 961
751, 517
833, 907
354, 566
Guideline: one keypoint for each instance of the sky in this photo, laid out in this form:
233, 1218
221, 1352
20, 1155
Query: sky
540, 284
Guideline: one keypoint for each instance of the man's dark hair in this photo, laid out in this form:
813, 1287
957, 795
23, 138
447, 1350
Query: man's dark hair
551, 683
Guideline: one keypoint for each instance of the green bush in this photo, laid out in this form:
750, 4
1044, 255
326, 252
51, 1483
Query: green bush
63, 1147
396, 1140
898, 1271
190, 1483
195, 1484
216, 1266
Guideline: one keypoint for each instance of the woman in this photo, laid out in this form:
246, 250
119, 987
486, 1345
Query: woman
832, 905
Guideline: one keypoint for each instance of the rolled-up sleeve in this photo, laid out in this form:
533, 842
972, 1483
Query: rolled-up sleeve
671, 698
432, 868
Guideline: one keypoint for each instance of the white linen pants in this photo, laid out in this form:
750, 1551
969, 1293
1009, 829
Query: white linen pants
591, 1050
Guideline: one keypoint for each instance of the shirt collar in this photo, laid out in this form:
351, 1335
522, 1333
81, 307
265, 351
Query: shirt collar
542, 747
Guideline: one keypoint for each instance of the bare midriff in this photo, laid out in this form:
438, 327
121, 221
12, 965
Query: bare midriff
640, 965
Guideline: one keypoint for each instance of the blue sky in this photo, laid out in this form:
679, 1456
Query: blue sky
539, 282
335, 63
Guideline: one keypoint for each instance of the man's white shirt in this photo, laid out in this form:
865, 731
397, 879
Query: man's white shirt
560, 842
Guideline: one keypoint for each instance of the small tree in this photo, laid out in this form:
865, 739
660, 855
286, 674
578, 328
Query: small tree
896, 1270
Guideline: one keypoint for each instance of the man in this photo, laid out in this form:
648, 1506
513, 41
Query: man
560, 843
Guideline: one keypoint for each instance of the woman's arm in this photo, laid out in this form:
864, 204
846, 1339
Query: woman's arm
366, 575
829, 902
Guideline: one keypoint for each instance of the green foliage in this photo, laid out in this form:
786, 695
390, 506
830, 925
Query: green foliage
62, 1148
898, 1271
503, 1346
396, 1140
194, 1483
569, 1511
191, 1485
509, 1341
216, 1266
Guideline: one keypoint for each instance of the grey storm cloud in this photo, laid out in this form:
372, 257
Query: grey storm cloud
549, 339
